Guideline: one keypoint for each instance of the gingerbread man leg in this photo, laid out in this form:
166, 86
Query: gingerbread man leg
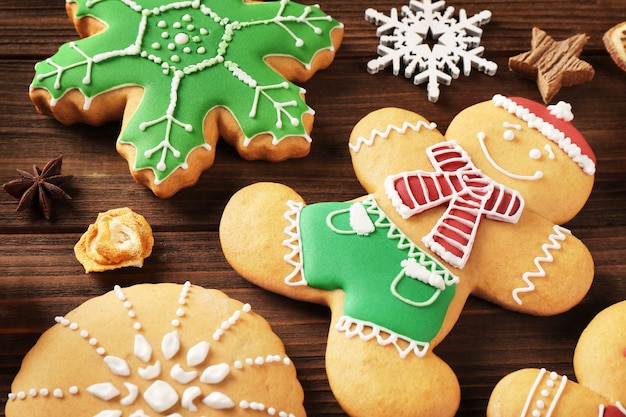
369, 378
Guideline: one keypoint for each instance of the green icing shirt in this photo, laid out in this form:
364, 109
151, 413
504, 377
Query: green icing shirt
388, 281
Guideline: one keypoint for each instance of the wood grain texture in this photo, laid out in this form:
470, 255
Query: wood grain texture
40, 278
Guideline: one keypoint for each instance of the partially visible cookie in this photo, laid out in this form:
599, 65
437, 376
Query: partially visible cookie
157, 350
553, 64
181, 75
118, 238
615, 43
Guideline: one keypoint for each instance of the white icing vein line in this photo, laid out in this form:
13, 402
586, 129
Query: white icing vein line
554, 238
400, 129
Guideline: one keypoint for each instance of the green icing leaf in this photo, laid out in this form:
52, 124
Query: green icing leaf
190, 57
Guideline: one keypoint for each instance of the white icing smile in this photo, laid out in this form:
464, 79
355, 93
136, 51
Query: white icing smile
481, 139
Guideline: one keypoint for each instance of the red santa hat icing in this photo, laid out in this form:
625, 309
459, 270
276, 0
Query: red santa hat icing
554, 123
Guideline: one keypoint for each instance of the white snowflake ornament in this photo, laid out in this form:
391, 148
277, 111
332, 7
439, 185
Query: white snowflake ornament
457, 43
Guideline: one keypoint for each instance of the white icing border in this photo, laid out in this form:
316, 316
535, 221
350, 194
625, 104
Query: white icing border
548, 130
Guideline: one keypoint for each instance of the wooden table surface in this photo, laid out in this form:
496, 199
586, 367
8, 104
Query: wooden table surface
40, 277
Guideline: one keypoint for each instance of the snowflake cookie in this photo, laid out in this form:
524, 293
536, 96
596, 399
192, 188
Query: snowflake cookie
158, 350
403, 43
180, 74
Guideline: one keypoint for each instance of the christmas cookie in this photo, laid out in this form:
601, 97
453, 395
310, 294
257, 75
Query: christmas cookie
615, 43
475, 212
553, 64
181, 74
118, 238
600, 389
157, 350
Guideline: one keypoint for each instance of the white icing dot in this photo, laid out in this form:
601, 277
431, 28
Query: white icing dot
127, 304
201, 50
73, 390
58, 393
203, 31
84, 334
44, 392
181, 38
536, 413
175, 323
93, 341
162, 24
21, 395
191, 28
137, 326
187, 18
508, 135
177, 25
540, 404
553, 376
100, 351
174, 58
165, 35
260, 360
156, 45
238, 364
32, 392
545, 393
534, 154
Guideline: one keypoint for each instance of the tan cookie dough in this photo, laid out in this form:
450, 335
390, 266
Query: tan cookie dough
157, 350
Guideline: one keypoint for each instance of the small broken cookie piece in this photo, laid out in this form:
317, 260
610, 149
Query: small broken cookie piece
553, 64
118, 238
615, 43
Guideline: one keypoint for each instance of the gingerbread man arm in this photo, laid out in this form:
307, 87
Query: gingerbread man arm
544, 271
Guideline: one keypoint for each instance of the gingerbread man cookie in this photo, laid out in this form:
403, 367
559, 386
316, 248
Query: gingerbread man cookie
600, 389
181, 74
475, 212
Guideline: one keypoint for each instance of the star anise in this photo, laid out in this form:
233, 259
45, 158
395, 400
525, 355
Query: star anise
41, 186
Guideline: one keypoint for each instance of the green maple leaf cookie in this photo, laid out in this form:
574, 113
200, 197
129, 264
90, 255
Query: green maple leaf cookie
189, 58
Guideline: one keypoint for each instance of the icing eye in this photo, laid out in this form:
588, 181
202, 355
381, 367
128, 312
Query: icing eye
508, 135
534, 154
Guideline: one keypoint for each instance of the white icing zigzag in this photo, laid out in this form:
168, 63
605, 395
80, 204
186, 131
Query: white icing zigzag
554, 238
400, 129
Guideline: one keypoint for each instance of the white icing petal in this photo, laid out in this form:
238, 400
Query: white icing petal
150, 372
105, 391
189, 396
170, 344
218, 401
133, 393
198, 353
118, 366
143, 349
139, 413
215, 374
178, 374
160, 396
110, 413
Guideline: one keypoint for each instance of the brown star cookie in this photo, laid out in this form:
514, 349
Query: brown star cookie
553, 64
